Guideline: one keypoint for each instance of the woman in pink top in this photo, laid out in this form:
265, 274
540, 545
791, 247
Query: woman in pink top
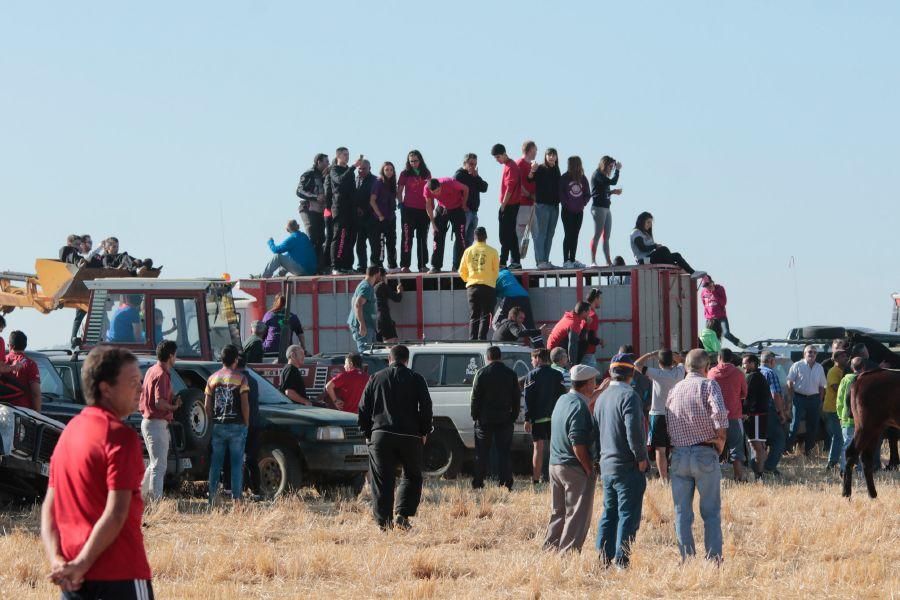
714, 300
413, 217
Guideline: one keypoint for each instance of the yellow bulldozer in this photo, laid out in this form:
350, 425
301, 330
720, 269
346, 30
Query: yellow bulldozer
54, 285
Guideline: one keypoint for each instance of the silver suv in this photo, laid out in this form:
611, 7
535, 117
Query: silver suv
449, 369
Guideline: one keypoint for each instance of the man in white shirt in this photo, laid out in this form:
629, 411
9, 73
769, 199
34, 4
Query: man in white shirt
806, 380
664, 378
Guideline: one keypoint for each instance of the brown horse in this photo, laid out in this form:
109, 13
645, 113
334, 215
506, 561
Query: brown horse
875, 403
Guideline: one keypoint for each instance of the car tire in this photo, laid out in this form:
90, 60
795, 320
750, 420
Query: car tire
194, 419
442, 455
279, 471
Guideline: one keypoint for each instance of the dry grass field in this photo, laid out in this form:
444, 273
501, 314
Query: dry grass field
791, 538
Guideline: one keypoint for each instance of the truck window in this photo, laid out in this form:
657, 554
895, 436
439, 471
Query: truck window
520, 362
68, 379
175, 319
429, 367
123, 322
460, 369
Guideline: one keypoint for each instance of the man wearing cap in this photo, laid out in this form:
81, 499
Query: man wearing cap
619, 421
572, 453
697, 421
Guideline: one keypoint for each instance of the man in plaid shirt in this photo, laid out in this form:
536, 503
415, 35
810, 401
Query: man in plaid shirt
779, 414
697, 421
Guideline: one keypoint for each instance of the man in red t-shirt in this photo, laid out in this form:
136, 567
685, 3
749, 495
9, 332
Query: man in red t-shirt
567, 333
452, 198
346, 389
734, 389
91, 516
527, 189
22, 373
509, 207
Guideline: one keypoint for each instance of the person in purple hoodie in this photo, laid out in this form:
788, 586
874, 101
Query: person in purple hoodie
574, 194
383, 234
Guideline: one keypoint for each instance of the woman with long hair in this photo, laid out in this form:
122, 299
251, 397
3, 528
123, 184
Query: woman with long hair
383, 233
546, 215
275, 319
601, 191
647, 251
413, 217
574, 194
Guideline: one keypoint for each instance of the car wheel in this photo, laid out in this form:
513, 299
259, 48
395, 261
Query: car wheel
194, 420
279, 471
443, 455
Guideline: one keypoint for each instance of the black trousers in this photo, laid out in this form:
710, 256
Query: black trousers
386, 452
76, 325
363, 227
122, 589
499, 436
481, 302
413, 222
314, 223
571, 227
342, 242
509, 242
455, 220
325, 263
662, 256
383, 240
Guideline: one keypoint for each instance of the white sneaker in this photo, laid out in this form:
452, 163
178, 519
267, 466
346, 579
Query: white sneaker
578, 265
594, 265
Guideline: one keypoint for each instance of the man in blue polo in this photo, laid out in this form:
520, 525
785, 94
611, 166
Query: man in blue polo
619, 420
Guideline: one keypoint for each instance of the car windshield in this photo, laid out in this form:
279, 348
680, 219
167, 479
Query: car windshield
51, 383
268, 393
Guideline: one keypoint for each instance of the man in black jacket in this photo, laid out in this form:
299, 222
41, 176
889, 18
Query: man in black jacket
311, 191
365, 220
395, 417
340, 189
495, 407
469, 176
543, 387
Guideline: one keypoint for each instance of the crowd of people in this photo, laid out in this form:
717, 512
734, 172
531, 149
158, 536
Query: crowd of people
79, 251
349, 212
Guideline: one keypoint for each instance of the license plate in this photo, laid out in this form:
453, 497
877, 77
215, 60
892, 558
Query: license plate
360, 450
45, 469
185, 463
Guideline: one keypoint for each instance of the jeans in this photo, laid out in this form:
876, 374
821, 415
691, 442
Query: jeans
623, 497
156, 438
363, 342
807, 409
602, 229
544, 226
697, 467
726, 332
833, 433
285, 262
314, 223
848, 439
499, 436
525, 216
471, 224
230, 437
776, 437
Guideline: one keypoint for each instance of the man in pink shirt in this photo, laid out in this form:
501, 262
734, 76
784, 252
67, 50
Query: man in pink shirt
527, 189
157, 408
714, 300
734, 389
509, 207
451, 197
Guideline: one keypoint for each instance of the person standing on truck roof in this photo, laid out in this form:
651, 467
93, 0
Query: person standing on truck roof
568, 332
311, 191
275, 320
364, 224
413, 218
363, 310
22, 374
647, 251
479, 269
125, 325
606, 176
228, 406
468, 175
157, 407
543, 387
451, 197
714, 300
395, 416
546, 208
91, 515
510, 294
509, 207
383, 202
292, 384
527, 166
385, 293
574, 194
591, 328
495, 405
346, 389
253, 347
340, 188
295, 254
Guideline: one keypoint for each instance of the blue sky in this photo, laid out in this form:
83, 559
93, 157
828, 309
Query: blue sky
753, 132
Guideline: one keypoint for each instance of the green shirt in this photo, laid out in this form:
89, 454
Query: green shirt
843, 400
711, 342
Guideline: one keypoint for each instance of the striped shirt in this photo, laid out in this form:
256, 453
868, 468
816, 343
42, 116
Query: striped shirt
774, 385
695, 409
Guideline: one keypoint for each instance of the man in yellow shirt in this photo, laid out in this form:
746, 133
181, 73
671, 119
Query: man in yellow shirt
833, 434
479, 267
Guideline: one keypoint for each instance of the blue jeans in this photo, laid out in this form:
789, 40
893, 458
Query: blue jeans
363, 342
285, 262
848, 439
833, 434
776, 438
545, 218
230, 437
623, 497
471, 224
807, 409
697, 467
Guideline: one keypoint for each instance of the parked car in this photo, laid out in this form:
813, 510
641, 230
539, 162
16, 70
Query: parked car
449, 369
27, 441
299, 444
